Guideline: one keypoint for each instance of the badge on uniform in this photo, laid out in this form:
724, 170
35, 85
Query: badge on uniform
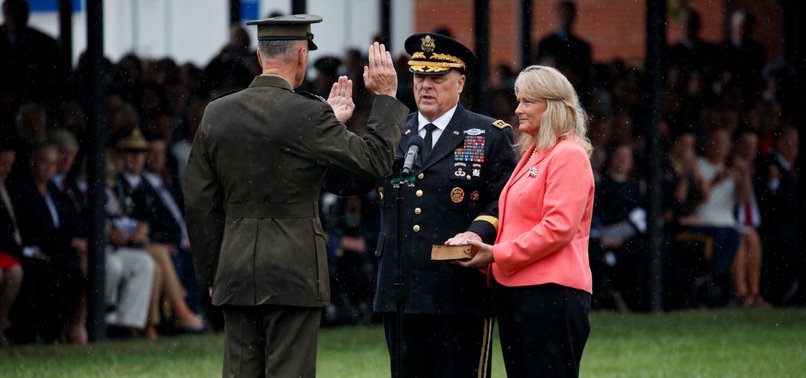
459, 169
457, 195
475, 195
476, 170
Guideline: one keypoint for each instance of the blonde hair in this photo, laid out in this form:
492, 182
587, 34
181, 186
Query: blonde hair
564, 117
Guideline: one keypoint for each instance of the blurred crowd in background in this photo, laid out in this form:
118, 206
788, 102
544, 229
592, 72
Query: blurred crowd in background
731, 197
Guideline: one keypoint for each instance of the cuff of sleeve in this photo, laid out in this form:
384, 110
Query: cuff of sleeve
486, 227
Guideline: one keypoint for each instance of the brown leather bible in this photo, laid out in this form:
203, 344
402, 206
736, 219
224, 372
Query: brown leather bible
450, 252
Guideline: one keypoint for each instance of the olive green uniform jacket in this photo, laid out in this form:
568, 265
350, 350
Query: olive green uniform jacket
253, 183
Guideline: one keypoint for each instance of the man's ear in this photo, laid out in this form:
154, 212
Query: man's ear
259, 57
461, 82
302, 64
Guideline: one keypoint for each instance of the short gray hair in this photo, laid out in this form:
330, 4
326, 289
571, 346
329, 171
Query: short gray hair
279, 49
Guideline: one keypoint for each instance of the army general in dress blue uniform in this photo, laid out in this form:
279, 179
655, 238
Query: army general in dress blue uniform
466, 160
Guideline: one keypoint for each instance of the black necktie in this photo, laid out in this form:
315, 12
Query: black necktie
428, 141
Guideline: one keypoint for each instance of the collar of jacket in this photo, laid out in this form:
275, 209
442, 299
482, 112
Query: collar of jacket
271, 81
451, 137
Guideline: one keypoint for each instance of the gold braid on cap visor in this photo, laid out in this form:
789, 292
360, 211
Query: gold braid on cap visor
448, 61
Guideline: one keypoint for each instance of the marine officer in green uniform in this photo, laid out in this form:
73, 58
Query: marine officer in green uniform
252, 186
466, 160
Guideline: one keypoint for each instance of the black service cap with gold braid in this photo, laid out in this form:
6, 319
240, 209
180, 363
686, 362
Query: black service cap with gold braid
436, 54
287, 28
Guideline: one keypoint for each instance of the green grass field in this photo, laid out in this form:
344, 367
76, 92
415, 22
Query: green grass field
703, 343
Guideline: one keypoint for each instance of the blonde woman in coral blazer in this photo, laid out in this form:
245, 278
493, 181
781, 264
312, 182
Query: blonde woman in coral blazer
539, 266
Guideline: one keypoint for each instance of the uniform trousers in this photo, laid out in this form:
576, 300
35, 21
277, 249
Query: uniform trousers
543, 329
270, 341
441, 345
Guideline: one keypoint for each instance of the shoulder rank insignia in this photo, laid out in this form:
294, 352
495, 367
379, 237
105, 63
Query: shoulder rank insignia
313, 96
501, 124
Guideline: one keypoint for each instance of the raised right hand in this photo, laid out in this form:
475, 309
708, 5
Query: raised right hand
380, 77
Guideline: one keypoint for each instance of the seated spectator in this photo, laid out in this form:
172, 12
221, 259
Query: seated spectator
746, 267
683, 183
618, 255
32, 127
129, 271
129, 185
724, 186
160, 203
53, 246
353, 225
10, 247
65, 178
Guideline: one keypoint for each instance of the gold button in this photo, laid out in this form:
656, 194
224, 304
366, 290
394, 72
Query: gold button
416, 228
420, 176
419, 193
418, 211
469, 177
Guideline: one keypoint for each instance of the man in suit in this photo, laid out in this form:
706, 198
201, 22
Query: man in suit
466, 160
161, 203
567, 52
691, 53
32, 63
252, 186
777, 189
741, 55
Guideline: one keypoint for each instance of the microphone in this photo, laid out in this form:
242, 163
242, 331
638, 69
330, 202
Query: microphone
414, 149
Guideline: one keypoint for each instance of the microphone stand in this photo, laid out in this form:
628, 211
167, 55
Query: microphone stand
400, 285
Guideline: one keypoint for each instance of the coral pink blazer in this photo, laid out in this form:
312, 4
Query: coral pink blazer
545, 219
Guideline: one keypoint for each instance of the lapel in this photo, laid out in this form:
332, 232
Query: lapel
521, 170
450, 138
409, 133
527, 162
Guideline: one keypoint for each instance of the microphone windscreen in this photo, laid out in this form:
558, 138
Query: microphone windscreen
416, 142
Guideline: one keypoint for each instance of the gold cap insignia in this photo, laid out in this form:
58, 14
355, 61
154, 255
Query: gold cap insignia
428, 45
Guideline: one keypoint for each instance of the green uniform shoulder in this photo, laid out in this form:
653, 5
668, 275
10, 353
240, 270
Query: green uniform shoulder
312, 96
225, 94
501, 124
